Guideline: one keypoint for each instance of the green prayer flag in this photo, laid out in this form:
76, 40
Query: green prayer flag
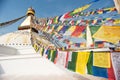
74, 57
53, 56
90, 63
94, 29
72, 66
49, 54
72, 63
42, 51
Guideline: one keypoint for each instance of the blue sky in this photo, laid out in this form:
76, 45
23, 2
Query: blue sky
11, 9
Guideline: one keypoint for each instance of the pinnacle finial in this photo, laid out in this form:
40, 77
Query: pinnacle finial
30, 11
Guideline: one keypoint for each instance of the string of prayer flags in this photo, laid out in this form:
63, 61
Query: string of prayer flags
75, 11
80, 9
96, 12
97, 63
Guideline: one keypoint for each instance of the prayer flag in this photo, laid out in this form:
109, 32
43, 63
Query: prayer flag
99, 44
49, 54
61, 60
80, 9
77, 44
70, 30
78, 31
72, 63
101, 72
101, 59
63, 29
59, 28
82, 60
55, 20
108, 33
111, 75
65, 16
53, 56
115, 56
94, 29
90, 63
41, 51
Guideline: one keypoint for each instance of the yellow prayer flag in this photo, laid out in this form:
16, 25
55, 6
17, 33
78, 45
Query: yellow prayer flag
36, 47
108, 33
59, 28
46, 29
52, 28
51, 53
117, 21
41, 49
101, 59
111, 8
82, 60
82, 45
72, 28
81, 8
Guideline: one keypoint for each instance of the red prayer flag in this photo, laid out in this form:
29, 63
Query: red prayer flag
78, 30
67, 15
111, 75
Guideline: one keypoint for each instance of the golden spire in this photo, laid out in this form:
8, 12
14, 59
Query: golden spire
30, 11
27, 22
